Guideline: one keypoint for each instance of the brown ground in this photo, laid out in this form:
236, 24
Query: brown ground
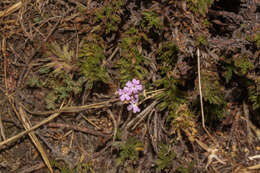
81, 139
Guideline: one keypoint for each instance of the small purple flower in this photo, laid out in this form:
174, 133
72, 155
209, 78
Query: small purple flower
130, 93
135, 97
134, 86
135, 82
129, 84
137, 85
124, 94
133, 106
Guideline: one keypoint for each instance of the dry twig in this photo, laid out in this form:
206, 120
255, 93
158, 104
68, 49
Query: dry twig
110, 113
27, 125
201, 98
11, 9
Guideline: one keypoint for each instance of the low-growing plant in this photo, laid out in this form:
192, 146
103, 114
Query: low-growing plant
172, 97
57, 76
183, 120
185, 169
91, 57
109, 15
201, 40
151, 20
132, 62
165, 157
213, 95
243, 65
129, 150
199, 6
254, 94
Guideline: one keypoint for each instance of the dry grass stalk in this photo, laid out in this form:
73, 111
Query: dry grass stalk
11, 9
27, 125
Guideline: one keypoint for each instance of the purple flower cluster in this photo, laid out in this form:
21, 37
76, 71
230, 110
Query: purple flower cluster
130, 93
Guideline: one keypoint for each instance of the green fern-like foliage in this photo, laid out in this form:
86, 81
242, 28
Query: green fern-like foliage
243, 65
91, 59
186, 169
213, 94
254, 94
165, 157
172, 97
61, 88
200, 6
211, 88
167, 56
254, 97
151, 20
131, 63
109, 15
129, 150
229, 71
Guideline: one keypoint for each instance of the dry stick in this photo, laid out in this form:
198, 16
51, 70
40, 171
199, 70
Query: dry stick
114, 122
80, 129
27, 125
201, 100
29, 130
11, 9
75, 108
89, 106
141, 115
33, 168
56, 114
6, 84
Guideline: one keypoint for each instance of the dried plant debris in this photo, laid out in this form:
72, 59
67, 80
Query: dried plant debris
113, 86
